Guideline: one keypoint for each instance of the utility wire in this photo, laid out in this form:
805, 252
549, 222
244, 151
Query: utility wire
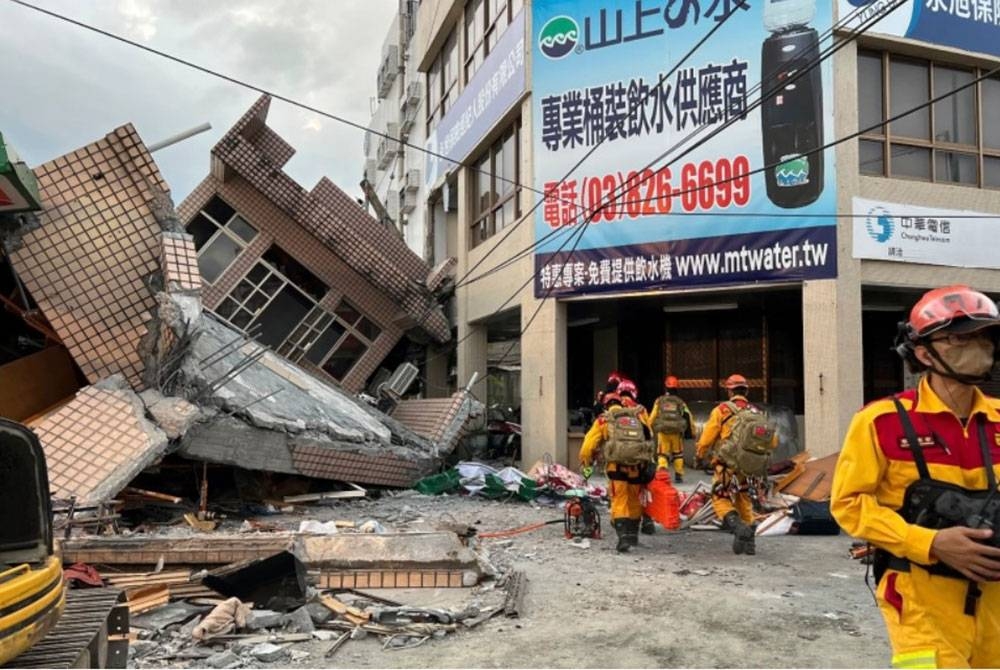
465, 280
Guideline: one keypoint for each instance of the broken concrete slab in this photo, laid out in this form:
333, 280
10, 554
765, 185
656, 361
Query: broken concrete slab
319, 613
263, 619
216, 549
98, 442
438, 550
299, 621
224, 659
267, 652
173, 415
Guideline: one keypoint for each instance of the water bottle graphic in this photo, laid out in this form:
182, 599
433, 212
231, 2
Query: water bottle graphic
792, 115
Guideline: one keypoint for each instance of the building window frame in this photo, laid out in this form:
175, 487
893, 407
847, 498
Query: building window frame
499, 205
945, 161
311, 330
483, 23
235, 231
442, 81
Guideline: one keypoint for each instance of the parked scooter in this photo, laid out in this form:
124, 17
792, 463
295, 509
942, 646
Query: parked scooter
503, 429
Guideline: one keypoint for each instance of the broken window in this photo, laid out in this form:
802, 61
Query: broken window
344, 358
333, 342
220, 235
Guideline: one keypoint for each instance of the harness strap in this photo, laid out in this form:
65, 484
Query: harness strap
984, 448
911, 437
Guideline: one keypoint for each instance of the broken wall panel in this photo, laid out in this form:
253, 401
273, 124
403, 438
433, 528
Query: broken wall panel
217, 549
36, 382
86, 264
98, 442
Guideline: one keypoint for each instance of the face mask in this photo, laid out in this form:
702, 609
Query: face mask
974, 359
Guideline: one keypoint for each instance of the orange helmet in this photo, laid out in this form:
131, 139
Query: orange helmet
627, 387
735, 382
954, 308
671, 382
611, 398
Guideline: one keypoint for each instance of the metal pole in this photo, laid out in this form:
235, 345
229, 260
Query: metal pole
179, 137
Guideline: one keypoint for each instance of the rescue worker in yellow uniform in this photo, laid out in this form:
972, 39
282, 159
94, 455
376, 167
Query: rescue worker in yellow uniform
629, 393
731, 498
621, 429
611, 386
671, 420
936, 564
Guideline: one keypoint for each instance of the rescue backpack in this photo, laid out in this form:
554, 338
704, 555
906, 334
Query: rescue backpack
627, 442
747, 450
670, 417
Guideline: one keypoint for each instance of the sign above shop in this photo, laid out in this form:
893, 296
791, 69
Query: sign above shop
889, 231
972, 25
751, 204
18, 187
498, 84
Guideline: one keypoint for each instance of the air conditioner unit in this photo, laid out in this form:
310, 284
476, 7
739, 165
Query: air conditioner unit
414, 93
400, 380
413, 182
407, 201
392, 130
388, 71
392, 209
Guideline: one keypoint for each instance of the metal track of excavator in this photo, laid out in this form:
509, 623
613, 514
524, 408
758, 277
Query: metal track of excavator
92, 633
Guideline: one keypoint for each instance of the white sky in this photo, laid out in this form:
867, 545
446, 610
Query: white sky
64, 87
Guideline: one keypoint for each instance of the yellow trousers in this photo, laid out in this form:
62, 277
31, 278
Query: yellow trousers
624, 495
670, 448
726, 502
924, 616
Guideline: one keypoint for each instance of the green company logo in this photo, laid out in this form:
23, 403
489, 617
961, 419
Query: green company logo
793, 172
558, 37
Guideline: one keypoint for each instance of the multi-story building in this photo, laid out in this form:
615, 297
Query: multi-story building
782, 247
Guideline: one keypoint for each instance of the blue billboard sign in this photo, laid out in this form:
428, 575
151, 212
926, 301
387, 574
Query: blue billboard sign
751, 204
972, 25
497, 85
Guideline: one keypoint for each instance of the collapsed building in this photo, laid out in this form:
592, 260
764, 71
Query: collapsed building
238, 330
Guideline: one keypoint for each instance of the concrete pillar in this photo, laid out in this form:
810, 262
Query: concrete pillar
605, 355
832, 365
472, 348
543, 381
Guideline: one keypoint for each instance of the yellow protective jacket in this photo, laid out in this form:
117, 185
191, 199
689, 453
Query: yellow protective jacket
718, 426
876, 466
685, 410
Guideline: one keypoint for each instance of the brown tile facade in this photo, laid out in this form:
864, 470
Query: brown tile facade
326, 231
85, 266
326, 463
179, 262
89, 440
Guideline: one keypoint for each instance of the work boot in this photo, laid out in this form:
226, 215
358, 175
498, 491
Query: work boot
678, 478
623, 540
750, 545
742, 533
632, 531
648, 528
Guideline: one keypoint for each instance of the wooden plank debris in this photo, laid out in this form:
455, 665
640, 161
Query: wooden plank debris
354, 492
147, 598
815, 481
350, 613
153, 495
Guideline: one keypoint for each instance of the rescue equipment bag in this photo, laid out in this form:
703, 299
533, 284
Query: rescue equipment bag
747, 450
670, 416
627, 441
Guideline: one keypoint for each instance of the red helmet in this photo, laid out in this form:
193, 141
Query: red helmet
627, 387
610, 398
671, 382
957, 309
615, 377
735, 382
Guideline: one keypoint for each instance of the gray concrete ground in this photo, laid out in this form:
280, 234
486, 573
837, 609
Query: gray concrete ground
680, 600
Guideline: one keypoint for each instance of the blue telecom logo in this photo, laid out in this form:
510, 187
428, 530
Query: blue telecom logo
558, 37
880, 224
